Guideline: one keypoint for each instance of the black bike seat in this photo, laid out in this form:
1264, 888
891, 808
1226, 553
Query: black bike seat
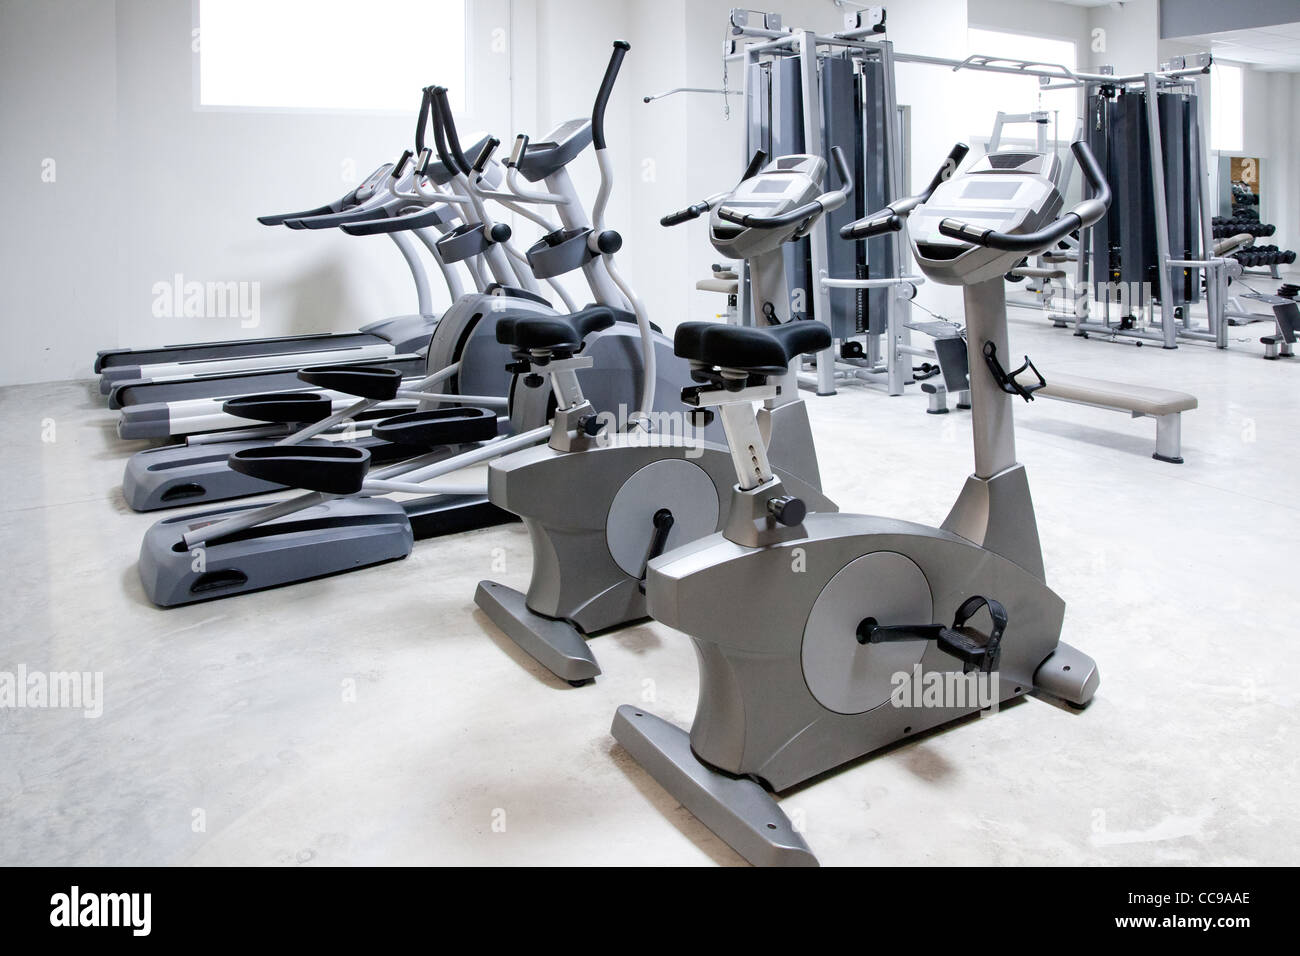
762, 351
558, 332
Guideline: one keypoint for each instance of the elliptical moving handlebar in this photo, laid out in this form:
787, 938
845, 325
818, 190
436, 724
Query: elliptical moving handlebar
606, 87
439, 132
449, 127
1084, 214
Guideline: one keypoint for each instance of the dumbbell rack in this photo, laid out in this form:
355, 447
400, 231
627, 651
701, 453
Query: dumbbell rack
1270, 257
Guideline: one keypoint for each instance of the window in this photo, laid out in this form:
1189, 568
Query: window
1226, 97
329, 54
989, 93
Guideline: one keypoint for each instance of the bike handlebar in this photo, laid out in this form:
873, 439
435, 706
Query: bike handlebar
827, 201
1085, 213
890, 219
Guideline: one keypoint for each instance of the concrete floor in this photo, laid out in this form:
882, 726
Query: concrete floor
228, 735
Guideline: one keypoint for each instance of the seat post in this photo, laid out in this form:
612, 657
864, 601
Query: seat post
574, 424
565, 385
745, 440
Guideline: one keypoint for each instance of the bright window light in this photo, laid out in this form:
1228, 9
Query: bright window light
1227, 84
329, 54
989, 93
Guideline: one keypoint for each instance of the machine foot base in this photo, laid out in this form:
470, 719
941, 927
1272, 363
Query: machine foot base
1172, 460
1069, 674
737, 809
556, 645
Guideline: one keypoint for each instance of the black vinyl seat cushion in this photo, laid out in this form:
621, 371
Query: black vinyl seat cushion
560, 332
762, 351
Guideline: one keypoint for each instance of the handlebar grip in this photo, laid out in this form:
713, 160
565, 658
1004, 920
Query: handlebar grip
876, 224
399, 167
788, 218
602, 96
449, 123
517, 154
422, 121
1091, 171
389, 224
684, 215
422, 162
484, 154
439, 133
755, 164
842, 170
955, 156
280, 218
333, 220
1030, 242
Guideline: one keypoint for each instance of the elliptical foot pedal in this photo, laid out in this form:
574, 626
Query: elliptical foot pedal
454, 425
331, 470
556, 645
375, 383
282, 408
737, 809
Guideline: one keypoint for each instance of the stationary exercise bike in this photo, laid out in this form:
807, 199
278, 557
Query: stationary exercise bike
600, 504
803, 631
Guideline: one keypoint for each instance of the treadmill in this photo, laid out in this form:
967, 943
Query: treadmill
403, 334
128, 377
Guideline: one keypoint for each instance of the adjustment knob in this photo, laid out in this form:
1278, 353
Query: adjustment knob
534, 381
701, 417
500, 232
590, 425
787, 510
609, 242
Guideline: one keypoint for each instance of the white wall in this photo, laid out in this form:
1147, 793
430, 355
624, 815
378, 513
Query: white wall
147, 187
1061, 20
1272, 132
151, 187
1128, 37
61, 253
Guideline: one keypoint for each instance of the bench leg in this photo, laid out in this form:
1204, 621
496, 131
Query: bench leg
938, 399
1169, 438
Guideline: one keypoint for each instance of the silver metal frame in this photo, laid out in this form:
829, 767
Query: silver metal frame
1164, 326
890, 360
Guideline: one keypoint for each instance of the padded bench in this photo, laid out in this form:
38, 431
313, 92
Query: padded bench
723, 282
1164, 405
725, 286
